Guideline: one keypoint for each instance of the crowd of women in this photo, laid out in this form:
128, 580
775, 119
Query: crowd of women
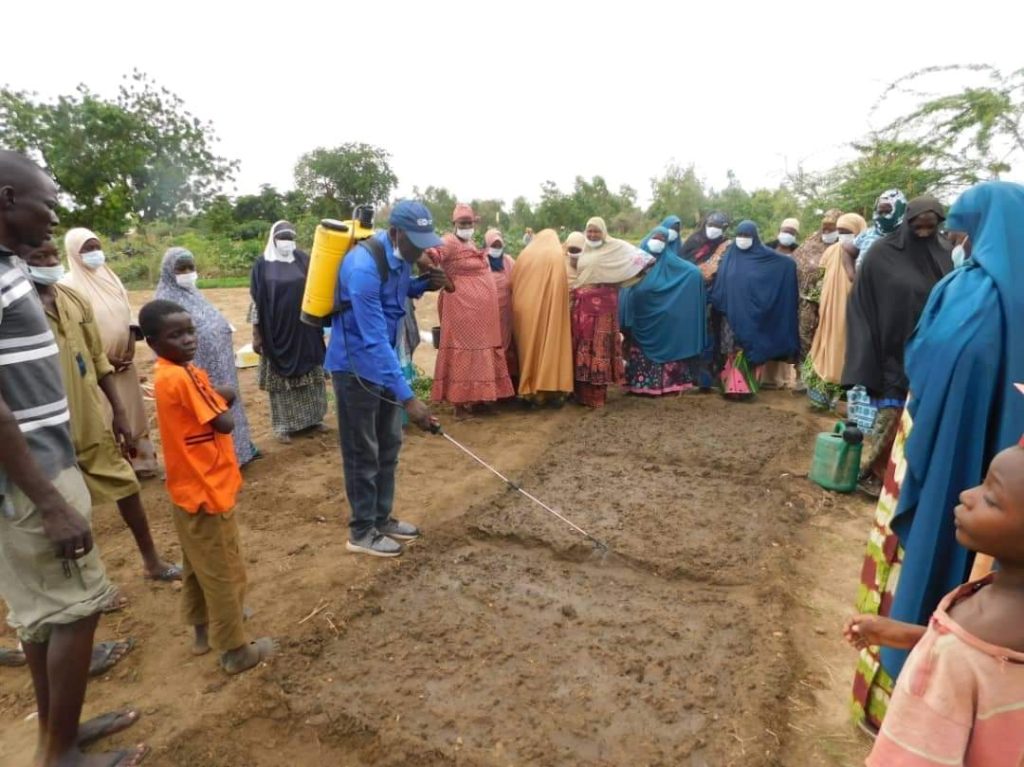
914, 317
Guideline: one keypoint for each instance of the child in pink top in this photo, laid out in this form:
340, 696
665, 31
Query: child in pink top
960, 697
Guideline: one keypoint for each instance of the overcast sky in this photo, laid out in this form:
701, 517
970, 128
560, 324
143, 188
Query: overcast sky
490, 99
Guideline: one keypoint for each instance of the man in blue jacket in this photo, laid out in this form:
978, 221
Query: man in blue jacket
374, 280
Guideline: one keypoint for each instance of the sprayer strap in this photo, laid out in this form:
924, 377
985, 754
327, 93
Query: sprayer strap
376, 249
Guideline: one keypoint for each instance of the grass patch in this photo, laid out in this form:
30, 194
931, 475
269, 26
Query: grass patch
241, 281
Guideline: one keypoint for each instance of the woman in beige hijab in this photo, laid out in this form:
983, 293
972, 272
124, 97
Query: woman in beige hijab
605, 265
823, 369
92, 278
540, 316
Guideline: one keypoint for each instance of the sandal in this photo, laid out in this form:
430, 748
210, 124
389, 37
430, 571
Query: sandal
132, 758
105, 725
106, 655
12, 658
115, 603
167, 575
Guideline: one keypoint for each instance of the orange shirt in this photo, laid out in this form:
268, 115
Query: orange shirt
202, 470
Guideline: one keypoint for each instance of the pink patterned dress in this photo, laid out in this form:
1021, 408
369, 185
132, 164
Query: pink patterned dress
471, 366
503, 284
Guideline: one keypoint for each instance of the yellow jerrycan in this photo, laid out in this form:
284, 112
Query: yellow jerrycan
331, 243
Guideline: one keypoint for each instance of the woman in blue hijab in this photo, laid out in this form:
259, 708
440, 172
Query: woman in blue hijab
673, 225
663, 319
755, 296
961, 364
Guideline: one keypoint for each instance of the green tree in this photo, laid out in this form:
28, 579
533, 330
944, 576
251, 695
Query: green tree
972, 134
947, 142
678, 192
336, 180
440, 202
137, 158
265, 206
589, 198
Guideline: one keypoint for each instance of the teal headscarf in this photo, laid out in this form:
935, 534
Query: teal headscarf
890, 222
665, 312
671, 224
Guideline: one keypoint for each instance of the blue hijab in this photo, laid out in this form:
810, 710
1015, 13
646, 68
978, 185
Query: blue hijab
962, 362
756, 290
664, 312
671, 223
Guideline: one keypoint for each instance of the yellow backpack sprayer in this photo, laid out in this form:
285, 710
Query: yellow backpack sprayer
331, 243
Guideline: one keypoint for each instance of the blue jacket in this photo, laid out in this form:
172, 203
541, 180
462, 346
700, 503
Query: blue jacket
363, 337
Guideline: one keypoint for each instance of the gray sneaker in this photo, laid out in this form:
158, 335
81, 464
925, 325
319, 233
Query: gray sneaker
374, 544
400, 531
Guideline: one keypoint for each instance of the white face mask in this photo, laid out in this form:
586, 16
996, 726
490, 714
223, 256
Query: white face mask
496, 252
787, 239
595, 243
829, 238
285, 247
46, 275
656, 246
959, 255
847, 239
744, 243
713, 232
673, 235
464, 234
94, 260
187, 280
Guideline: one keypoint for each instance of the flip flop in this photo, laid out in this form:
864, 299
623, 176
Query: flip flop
105, 657
132, 758
167, 575
105, 725
12, 658
116, 603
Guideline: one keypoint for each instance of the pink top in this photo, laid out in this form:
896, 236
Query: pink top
958, 701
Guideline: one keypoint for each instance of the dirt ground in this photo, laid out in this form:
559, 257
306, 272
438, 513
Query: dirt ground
709, 635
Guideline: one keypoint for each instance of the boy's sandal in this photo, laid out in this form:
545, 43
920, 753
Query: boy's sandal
106, 655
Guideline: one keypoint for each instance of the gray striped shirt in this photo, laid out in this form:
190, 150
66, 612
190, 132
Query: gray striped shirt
30, 377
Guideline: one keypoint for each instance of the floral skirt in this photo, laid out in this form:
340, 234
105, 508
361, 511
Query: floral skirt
655, 379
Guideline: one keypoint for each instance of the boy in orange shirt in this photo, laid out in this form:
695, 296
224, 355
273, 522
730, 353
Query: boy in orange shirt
202, 480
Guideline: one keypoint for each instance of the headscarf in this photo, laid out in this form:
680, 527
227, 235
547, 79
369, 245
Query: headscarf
756, 290
698, 248
104, 291
890, 222
792, 223
271, 253
462, 210
809, 255
962, 360
205, 316
276, 286
670, 224
492, 236
540, 316
888, 297
574, 240
615, 262
828, 349
665, 313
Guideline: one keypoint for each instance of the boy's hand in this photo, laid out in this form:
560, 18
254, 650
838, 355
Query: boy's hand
863, 631
227, 393
67, 530
122, 433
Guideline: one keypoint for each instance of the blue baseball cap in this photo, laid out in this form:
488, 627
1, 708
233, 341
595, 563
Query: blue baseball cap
415, 220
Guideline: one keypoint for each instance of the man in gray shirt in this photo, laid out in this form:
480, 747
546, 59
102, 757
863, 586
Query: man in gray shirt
51, 576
